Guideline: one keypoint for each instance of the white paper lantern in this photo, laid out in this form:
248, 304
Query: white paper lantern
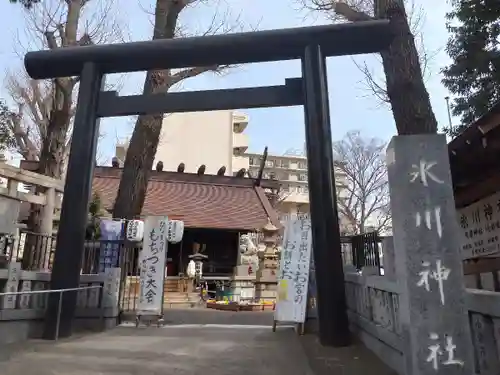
135, 230
175, 231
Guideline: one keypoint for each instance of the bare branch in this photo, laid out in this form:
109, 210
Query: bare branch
363, 10
350, 13
191, 72
56, 24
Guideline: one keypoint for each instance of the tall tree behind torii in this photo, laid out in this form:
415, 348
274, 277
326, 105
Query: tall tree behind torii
146, 135
404, 81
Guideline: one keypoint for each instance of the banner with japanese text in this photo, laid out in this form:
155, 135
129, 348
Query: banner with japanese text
152, 260
294, 272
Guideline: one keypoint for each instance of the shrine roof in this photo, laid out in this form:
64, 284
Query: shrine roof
206, 201
474, 158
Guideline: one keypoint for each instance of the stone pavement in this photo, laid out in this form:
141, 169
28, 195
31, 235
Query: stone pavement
182, 350
225, 344
353, 360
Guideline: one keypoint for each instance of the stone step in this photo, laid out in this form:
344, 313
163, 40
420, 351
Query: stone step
181, 298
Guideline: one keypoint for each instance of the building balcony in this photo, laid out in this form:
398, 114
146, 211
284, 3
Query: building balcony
240, 142
240, 122
239, 162
295, 197
121, 151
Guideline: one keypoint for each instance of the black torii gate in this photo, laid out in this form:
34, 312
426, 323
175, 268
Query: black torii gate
310, 44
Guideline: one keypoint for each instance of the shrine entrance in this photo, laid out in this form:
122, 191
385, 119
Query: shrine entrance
309, 44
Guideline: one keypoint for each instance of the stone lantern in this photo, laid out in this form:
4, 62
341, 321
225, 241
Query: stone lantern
198, 260
267, 275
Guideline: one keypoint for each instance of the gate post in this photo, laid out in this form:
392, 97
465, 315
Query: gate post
74, 210
331, 301
434, 316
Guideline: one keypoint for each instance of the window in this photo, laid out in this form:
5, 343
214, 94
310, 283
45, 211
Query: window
302, 165
269, 163
251, 161
305, 190
303, 177
285, 164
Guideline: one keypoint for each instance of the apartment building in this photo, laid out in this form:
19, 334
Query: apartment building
217, 139
291, 170
213, 139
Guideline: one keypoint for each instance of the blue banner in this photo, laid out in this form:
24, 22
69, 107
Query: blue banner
312, 310
111, 230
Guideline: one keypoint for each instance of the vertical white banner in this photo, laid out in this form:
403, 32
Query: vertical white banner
294, 272
152, 265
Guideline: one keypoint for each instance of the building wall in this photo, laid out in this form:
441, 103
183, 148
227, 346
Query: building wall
291, 171
195, 139
213, 138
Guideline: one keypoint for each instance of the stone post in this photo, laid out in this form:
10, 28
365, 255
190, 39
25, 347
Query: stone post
266, 279
388, 258
433, 314
46, 228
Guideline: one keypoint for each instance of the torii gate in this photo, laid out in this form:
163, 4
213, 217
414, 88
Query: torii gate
309, 44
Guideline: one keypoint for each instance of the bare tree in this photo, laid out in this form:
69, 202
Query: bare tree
43, 124
42, 127
364, 200
404, 86
146, 134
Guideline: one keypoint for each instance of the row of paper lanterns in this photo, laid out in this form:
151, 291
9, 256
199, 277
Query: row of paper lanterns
135, 230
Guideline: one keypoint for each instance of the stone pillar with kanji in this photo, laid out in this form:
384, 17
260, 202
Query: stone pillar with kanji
266, 278
428, 262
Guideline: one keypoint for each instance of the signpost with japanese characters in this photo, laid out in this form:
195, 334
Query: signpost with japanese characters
480, 227
152, 265
428, 259
294, 272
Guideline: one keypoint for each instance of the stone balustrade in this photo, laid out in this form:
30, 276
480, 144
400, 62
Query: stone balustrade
373, 305
22, 316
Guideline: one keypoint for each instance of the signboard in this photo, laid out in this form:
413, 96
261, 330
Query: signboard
294, 272
480, 227
152, 260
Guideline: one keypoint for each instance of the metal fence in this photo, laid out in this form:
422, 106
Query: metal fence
34, 251
101, 255
363, 250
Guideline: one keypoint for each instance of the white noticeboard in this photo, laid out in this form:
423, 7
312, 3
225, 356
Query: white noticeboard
152, 265
480, 227
294, 272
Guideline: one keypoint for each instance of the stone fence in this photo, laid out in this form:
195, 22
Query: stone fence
22, 316
373, 305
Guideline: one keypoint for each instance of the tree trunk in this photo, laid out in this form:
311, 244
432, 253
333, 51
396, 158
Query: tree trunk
410, 102
37, 250
136, 171
146, 135
140, 158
